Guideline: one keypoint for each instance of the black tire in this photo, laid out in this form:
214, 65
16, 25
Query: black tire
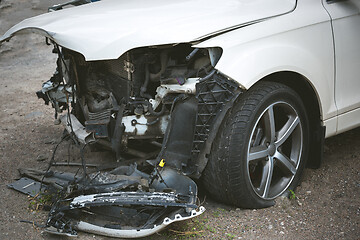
238, 172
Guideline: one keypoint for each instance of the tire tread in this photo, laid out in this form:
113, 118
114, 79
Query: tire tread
221, 176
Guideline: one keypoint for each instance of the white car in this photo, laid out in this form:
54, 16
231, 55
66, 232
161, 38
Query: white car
240, 94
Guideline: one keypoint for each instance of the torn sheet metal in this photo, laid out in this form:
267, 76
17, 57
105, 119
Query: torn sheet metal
125, 202
73, 125
100, 182
26, 186
59, 180
133, 199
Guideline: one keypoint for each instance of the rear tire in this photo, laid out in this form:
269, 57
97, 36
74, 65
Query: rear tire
261, 148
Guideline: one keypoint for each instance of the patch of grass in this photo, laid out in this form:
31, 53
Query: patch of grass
185, 234
222, 210
191, 229
292, 195
40, 200
230, 236
211, 229
216, 214
247, 227
218, 211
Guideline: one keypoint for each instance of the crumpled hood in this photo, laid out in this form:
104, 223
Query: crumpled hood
107, 29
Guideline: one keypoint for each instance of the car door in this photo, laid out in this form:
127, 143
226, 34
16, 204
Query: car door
346, 31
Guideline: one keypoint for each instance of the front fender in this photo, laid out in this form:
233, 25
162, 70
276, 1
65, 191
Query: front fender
286, 43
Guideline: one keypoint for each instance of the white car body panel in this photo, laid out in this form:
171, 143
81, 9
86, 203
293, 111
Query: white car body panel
348, 120
346, 20
286, 43
331, 126
107, 29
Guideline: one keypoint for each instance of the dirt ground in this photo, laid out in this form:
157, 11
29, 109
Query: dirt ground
327, 204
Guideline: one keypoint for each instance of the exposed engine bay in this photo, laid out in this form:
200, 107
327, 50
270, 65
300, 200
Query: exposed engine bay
153, 95
157, 110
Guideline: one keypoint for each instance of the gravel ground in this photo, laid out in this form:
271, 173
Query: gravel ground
326, 204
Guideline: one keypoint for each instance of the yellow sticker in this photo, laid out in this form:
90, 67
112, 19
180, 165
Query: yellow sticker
162, 163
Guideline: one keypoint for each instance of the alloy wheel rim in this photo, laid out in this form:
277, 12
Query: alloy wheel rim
274, 150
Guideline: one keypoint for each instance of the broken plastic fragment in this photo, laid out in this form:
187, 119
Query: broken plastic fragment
162, 163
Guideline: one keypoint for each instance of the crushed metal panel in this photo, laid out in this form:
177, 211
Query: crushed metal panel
133, 199
59, 180
134, 212
72, 124
27, 186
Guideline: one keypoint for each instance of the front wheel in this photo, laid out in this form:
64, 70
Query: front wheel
261, 148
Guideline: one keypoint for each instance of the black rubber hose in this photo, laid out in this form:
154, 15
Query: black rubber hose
207, 76
152, 111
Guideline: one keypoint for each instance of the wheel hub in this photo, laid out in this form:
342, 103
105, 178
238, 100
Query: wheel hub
271, 149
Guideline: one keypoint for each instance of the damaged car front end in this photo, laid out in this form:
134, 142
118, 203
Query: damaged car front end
163, 99
155, 100
154, 109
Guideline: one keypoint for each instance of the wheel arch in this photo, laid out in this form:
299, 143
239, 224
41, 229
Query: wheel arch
303, 87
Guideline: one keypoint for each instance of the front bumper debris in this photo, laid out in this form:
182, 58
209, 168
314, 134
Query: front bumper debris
136, 233
124, 202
